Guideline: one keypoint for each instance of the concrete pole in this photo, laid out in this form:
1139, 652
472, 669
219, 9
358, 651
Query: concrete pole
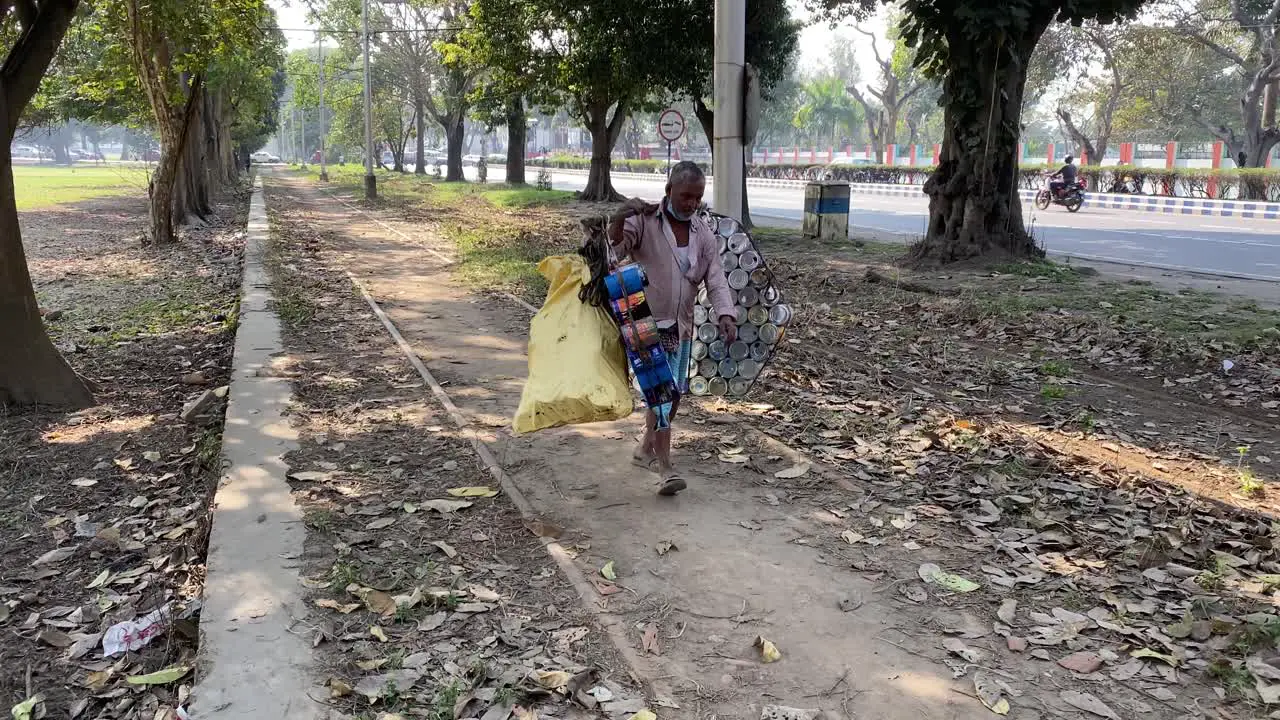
370, 181
324, 173
730, 57
302, 135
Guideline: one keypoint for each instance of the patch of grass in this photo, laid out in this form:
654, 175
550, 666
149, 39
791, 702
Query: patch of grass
209, 449
444, 700
320, 520
39, 187
1252, 485
110, 311
773, 240
343, 574
1053, 392
1055, 368
292, 307
1046, 269
1234, 678
1250, 637
505, 695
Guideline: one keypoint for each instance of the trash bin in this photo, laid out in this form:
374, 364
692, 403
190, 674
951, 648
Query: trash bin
826, 211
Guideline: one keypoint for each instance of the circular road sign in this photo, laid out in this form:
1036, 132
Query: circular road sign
671, 125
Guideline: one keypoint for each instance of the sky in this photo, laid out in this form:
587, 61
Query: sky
814, 39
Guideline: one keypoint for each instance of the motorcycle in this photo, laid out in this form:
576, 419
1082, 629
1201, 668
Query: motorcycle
1071, 196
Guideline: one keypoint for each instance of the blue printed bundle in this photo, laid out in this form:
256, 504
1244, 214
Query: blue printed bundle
645, 355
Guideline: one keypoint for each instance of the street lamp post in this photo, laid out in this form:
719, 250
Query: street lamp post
370, 181
324, 173
302, 136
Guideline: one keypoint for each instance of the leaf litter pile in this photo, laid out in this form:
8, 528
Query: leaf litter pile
431, 596
1105, 552
104, 512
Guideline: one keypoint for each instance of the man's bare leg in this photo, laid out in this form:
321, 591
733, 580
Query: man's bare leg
672, 483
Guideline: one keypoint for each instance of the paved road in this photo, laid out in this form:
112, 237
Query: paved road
1219, 245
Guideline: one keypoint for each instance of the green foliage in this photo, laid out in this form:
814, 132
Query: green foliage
771, 44
827, 112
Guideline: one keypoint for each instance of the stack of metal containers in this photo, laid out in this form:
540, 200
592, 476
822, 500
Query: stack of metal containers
719, 368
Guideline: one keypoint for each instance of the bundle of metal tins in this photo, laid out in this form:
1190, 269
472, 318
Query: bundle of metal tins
717, 368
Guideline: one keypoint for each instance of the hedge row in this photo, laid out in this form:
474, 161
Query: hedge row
1255, 183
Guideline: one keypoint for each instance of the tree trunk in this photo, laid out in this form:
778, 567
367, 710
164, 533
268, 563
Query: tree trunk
974, 209
420, 122
604, 134
454, 134
1093, 156
161, 191
517, 138
31, 370
191, 183
1269, 104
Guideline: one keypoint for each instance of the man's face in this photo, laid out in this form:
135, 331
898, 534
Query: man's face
686, 197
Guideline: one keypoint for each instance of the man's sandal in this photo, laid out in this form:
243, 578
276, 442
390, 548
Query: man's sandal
648, 462
672, 483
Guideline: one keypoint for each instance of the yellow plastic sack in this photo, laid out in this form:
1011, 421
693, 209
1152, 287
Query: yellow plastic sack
577, 367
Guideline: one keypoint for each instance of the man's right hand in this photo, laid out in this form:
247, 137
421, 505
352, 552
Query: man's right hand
632, 207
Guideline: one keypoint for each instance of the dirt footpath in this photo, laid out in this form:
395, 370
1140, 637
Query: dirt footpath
741, 555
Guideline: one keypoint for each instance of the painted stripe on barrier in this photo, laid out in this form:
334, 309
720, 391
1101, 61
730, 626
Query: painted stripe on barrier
1141, 203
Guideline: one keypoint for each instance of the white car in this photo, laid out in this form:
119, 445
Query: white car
262, 156
24, 151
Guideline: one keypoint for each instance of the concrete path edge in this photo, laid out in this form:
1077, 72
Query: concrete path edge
252, 662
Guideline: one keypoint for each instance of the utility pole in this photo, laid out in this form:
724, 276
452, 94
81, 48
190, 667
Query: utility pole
324, 173
302, 135
730, 58
370, 181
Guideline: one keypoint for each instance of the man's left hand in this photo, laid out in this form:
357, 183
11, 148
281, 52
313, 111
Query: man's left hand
728, 328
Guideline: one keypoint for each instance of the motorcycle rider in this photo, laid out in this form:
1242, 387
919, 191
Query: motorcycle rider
1068, 178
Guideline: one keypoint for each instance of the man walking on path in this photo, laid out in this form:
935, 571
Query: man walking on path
677, 251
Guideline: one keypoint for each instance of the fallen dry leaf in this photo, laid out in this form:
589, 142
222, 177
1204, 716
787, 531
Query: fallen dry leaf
989, 693
444, 507
346, 609
1088, 703
768, 651
377, 601
544, 529
160, 677
649, 640
551, 679
55, 555
791, 473
1007, 611
475, 492
1082, 662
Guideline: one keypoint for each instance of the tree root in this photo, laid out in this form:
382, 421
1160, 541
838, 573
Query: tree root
874, 277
